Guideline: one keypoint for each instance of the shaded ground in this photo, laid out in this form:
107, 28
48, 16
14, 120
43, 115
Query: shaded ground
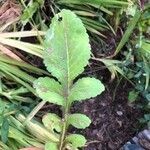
114, 122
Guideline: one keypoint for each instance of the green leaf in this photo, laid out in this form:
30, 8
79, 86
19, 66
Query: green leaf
52, 121
128, 31
29, 12
144, 50
4, 130
79, 121
132, 96
147, 117
41, 2
67, 47
76, 140
96, 2
50, 146
148, 97
49, 90
113, 66
2, 107
86, 88
147, 72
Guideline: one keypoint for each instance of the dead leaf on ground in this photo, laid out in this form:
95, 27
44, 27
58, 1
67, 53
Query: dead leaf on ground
9, 10
5, 50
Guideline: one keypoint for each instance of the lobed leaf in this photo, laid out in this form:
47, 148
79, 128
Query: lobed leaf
86, 88
51, 121
79, 121
67, 47
49, 90
76, 140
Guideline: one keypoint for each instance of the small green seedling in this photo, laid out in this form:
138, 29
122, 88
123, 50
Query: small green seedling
67, 52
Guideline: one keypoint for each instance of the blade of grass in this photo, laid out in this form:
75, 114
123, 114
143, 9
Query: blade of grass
129, 31
113, 67
21, 34
95, 22
94, 31
84, 13
27, 47
8, 60
147, 72
17, 72
96, 2
20, 81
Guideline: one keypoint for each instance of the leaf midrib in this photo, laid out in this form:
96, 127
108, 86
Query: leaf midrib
67, 56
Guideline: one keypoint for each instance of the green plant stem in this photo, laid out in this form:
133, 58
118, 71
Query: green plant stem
66, 112
65, 126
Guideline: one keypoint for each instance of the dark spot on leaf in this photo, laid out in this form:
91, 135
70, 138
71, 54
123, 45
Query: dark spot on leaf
56, 131
60, 19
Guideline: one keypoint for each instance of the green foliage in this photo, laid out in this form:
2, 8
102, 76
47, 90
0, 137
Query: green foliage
145, 49
64, 42
13, 133
96, 2
49, 90
66, 53
50, 145
79, 121
5, 130
145, 120
129, 30
92, 13
4, 124
76, 140
30, 10
132, 97
86, 88
52, 122
141, 74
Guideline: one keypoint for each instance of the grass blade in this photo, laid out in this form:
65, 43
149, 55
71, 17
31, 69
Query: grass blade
129, 31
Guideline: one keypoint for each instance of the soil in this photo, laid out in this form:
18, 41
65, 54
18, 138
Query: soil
114, 121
